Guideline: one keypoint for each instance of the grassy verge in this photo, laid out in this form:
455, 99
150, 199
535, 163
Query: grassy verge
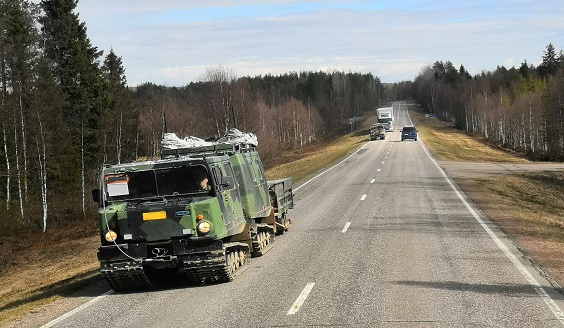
449, 144
318, 157
528, 207
39, 268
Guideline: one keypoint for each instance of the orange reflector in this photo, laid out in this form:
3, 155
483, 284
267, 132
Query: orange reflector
199, 217
154, 216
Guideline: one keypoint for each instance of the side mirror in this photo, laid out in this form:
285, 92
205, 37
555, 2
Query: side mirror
227, 182
96, 195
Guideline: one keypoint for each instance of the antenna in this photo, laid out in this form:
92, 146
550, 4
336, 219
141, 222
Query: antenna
165, 127
233, 117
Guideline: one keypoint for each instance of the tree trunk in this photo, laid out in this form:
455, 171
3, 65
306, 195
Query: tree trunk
18, 171
42, 161
7, 167
24, 144
118, 141
82, 169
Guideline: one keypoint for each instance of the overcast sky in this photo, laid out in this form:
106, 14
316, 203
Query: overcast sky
173, 42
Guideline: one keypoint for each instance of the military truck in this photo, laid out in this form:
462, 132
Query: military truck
200, 211
377, 131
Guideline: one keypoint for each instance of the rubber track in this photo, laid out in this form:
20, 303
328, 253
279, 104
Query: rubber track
127, 280
212, 267
257, 250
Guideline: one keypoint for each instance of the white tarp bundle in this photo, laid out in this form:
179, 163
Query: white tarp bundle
171, 141
233, 136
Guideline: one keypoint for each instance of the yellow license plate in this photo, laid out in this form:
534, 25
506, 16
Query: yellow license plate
154, 216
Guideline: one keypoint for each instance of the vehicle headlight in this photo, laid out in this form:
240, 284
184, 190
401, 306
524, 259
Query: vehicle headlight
110, 236
203, 227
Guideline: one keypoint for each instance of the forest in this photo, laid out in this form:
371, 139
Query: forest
66, 108
519, 109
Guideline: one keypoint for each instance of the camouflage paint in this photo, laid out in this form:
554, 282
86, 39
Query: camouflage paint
252, 184
227, 211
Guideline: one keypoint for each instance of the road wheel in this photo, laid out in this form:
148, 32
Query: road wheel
230, 263
242, 258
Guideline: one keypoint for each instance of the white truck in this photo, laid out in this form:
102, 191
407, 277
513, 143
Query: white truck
386, 117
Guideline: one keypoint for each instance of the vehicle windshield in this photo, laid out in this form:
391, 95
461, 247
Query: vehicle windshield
188, 179
409, 129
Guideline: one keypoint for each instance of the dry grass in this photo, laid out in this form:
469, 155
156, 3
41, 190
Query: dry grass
37, 268
320, 156
449, 144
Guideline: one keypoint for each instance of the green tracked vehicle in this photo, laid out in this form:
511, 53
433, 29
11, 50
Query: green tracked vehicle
199, 211
377, 132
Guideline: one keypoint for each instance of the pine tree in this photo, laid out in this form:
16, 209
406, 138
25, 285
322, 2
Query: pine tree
76, 68
549, 64
120, 121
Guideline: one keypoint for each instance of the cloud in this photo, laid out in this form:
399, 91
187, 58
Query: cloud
172, 42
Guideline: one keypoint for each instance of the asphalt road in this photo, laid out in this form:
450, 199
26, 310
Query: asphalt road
382, 239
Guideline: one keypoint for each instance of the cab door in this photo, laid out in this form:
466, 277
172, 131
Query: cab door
228, 197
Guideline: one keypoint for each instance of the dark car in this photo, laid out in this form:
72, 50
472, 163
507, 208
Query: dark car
409, 132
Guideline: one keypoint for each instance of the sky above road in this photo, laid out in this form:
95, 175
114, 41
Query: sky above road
173, 42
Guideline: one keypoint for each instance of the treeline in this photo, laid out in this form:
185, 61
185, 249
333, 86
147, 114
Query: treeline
65, 109
285, 111
518, 108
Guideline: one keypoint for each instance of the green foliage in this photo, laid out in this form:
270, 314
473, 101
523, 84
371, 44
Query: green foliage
525, 85
119, 121
76, 68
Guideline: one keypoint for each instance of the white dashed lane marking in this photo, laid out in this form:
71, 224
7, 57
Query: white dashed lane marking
346, 227
301, 299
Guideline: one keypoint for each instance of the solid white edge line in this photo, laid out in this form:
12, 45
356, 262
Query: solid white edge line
346, 227
363, 197
332, 167
78, 309
301, 299
520, 267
